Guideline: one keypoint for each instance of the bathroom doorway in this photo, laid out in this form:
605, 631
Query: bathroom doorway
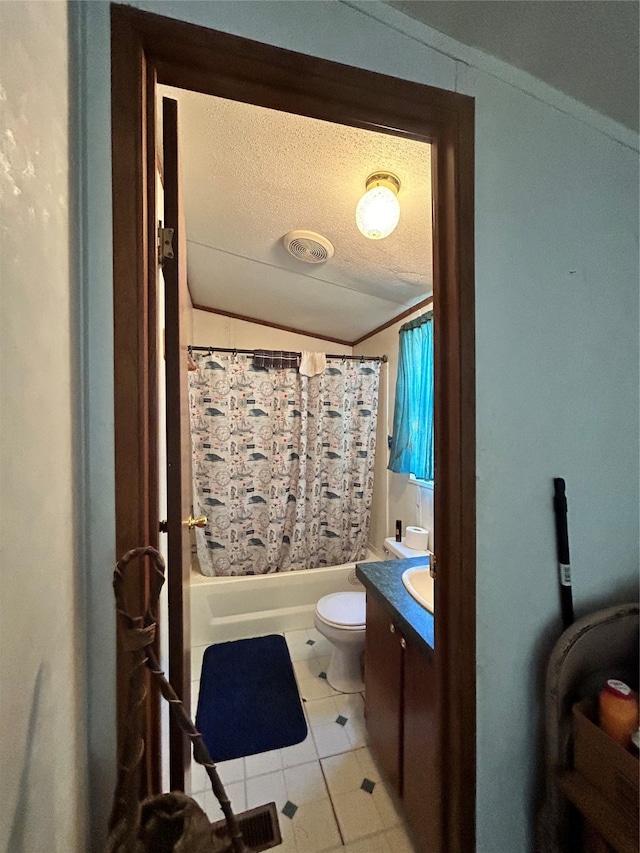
148, 49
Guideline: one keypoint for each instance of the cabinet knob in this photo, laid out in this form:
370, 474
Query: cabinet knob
392, 628
403, 643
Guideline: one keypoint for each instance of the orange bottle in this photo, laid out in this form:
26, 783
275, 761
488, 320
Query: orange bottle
618, 711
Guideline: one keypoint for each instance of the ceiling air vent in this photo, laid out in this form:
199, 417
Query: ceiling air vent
308, 247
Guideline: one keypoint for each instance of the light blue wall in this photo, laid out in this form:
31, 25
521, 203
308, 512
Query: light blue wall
557, 365
557, 395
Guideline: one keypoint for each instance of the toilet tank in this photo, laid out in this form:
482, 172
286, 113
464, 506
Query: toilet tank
398, 550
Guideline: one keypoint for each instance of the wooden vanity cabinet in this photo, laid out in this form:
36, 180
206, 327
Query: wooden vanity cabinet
383, 691
401, 710
421, 791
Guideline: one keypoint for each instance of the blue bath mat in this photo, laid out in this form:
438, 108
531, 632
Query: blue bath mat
249, 699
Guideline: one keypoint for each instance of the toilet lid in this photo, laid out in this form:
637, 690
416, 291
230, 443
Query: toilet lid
343, 608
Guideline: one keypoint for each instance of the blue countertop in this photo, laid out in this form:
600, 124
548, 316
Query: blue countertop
383, 581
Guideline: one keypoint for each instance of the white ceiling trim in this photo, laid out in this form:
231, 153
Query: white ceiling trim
498, 68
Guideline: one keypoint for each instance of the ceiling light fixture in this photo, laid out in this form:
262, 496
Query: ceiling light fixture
378, 210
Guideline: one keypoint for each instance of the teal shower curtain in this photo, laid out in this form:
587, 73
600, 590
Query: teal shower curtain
412, 441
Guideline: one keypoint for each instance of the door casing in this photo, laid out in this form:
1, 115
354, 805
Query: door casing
147, 49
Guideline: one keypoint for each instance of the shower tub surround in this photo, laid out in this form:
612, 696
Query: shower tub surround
235, 608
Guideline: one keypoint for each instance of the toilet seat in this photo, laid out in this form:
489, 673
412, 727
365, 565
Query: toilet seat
344, 610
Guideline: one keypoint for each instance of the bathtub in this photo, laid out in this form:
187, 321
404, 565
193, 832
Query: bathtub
232, 608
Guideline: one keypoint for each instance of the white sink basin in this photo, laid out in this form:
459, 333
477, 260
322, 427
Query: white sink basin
419, 584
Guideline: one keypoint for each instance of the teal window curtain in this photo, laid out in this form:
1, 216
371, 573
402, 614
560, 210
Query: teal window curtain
412, 441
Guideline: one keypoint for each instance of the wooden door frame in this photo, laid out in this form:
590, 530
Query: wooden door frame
148, 48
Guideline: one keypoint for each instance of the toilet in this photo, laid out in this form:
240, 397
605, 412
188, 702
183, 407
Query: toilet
340, 617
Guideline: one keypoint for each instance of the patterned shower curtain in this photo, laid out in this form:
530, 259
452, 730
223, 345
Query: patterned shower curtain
282, 463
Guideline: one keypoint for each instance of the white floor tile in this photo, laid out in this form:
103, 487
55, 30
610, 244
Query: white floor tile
237, 794
297, 638
305, 783
372, 844
269, 788
301, 651
314, 688
231, 771
325, 712
330, 740
321, 646
199, 778
357, 733
300, 645
197, 653
301, 753
210, 804
314, 634
263, 762
399, 840
357, 815
228, 771
305, 668
349, 704
195, 689
343, 774
315, 827
322, 712
324, 661
387, 806
206, 801
367, 762
288, 836
321, 774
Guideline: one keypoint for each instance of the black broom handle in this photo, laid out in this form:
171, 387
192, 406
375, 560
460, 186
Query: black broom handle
562, 543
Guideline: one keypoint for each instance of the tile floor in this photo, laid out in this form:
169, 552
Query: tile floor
328, 790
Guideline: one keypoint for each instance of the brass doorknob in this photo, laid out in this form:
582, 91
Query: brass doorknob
192, 522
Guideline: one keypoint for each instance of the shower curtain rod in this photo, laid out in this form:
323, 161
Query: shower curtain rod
382, 358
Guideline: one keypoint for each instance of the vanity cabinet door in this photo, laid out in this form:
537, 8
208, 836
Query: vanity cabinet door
383, 691
421, 785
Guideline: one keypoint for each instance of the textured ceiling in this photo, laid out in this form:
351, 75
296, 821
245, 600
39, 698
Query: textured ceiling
250, 175
585, 48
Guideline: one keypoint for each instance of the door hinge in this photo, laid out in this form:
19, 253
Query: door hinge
165, 244
163, 526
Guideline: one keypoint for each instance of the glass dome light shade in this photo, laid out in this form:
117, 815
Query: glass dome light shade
378, 211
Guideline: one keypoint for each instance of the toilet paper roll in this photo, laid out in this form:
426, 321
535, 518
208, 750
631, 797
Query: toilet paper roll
417, 538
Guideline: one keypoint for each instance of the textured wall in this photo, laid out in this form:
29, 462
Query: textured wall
557, 396
41, 752
557, 352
